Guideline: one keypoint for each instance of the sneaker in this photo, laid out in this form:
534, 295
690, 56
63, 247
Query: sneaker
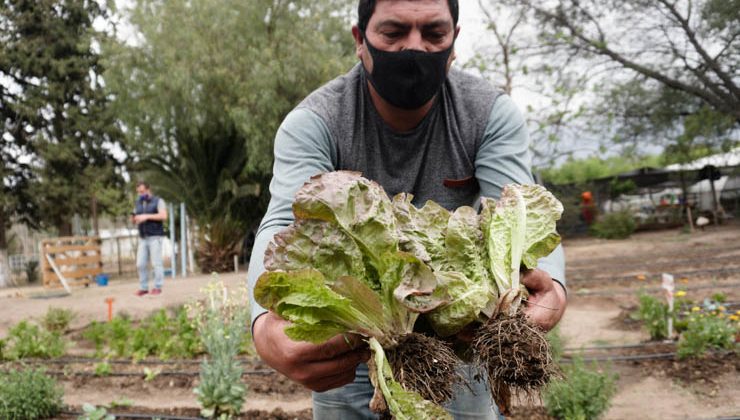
141, 292
156, 291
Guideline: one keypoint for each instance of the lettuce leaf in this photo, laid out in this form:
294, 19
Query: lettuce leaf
421, 232
519, 229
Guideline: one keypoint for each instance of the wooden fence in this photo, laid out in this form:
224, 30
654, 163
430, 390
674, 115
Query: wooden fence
76, 259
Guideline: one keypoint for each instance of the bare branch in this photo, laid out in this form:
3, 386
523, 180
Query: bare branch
711, 63
601, 48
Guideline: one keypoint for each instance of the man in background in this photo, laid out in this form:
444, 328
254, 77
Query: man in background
149, 215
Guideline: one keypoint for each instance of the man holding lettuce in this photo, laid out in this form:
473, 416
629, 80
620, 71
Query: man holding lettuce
408, 121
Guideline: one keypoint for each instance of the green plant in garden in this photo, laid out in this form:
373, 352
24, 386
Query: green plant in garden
57, 319
222, 323
617, 225
119, 334
96, 332
719, 297
159, 335
151, 374
94, 413
583, 394
103, 369
654, 315
557, 344
29, 340
28, 394
704, 333
121, 403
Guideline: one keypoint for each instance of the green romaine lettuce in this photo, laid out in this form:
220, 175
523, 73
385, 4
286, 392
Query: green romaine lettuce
339, 269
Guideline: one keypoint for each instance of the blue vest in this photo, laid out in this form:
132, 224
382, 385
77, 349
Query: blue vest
150, 227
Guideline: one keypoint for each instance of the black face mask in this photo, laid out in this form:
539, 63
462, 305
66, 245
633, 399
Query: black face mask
407, 79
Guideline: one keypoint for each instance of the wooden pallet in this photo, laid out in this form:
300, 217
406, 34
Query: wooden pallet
77, 259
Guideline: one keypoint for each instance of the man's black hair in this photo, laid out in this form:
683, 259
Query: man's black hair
143, 183
366, 8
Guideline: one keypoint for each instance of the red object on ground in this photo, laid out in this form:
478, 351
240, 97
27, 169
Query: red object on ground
141, 292
109, 301
156, 291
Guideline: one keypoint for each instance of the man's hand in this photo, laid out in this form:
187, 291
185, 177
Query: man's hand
547, 301
317, 367
141, 218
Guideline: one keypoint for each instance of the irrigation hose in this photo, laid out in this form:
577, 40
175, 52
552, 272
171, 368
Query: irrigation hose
262, 372
134, 416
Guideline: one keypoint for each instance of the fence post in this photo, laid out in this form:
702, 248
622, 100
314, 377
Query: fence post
118, 254
183, 241
173, 226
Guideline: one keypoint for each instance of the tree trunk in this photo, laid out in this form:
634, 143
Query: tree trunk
64, 228
5, 280
4, 263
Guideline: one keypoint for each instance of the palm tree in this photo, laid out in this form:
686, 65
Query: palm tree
206, 171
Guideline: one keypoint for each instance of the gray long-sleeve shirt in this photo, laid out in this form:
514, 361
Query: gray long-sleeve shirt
472, 143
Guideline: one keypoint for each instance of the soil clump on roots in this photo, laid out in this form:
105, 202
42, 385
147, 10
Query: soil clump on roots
516, 356
423, 365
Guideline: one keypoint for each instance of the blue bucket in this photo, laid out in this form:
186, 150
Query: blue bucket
101, 279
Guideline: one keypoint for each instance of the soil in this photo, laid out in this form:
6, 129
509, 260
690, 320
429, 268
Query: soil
605, 278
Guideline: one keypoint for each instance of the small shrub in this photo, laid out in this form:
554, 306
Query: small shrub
28, 394
654, 315
90, 412
222, 324
583, 394
96, 332
119, 334
103, 369
618, 225
705, 333
57, 320
719, 297
28, 340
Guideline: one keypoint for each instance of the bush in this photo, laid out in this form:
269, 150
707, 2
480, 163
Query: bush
654, 315
705, 333
583, 393
618, 225
28, 340
57, 320
28, 394
222, 324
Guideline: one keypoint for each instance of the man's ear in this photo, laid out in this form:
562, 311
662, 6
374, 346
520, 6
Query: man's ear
359, 42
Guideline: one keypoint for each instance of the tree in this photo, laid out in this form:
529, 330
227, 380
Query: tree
514, 60
57, 132
207, 75
663, 68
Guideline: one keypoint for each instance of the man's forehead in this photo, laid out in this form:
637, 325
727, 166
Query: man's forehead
437, 10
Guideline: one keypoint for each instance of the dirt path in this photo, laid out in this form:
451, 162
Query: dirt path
89, 304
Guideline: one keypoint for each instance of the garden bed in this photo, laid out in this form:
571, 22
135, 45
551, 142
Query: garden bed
698, 387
